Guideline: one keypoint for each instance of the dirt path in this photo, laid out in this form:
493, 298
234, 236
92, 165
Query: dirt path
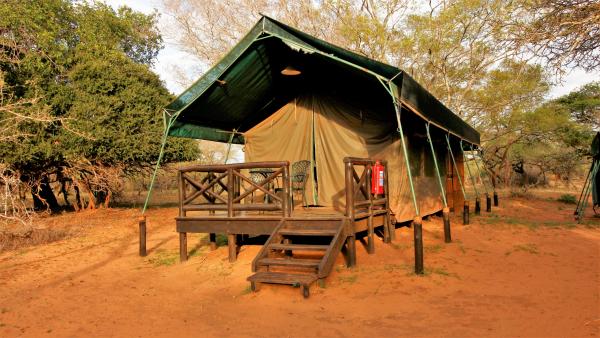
525, 270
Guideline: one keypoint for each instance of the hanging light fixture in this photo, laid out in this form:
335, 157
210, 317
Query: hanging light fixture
290, 71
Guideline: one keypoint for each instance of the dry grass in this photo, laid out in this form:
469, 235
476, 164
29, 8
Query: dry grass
18, 238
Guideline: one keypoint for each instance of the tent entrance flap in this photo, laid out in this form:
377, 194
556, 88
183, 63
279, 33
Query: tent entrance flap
286, 135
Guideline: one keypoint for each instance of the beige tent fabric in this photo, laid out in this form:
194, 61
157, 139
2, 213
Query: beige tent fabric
284, 136
343, 130
340, 130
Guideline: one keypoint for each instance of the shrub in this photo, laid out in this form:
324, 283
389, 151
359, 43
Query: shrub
568, 199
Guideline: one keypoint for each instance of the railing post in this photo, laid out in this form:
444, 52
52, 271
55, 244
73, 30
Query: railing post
370, 227
182, 213
230, 191
351, 239
287, 203
182, 197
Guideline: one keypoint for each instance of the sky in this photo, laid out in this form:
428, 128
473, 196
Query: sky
170, 56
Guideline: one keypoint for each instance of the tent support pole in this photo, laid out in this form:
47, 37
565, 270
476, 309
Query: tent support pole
417, 228
588, 190
229, 145
462, 187
446, 210
142, 223
477, 203
488, 200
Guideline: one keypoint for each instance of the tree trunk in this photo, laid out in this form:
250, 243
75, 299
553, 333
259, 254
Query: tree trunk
43, 197
91, 203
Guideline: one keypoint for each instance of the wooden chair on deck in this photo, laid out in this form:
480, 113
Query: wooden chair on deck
299, 177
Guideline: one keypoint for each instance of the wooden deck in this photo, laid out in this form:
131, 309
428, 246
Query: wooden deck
219, 199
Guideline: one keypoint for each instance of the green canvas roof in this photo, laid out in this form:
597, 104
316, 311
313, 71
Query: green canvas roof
246, 86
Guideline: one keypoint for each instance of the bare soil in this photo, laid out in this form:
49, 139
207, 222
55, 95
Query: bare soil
524, 270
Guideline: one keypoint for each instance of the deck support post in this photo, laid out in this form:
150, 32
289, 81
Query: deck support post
488, 203
495, 199
212, 237
446, 216
142, 224
418, 238
387, 231
232, 245
477, 206
183, 247
466, 213
351, 250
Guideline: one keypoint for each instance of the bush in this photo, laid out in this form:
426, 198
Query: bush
568, 199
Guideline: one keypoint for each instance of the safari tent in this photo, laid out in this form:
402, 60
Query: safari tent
286, 97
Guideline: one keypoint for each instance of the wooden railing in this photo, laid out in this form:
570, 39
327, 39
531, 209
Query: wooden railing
360, 201
225, 188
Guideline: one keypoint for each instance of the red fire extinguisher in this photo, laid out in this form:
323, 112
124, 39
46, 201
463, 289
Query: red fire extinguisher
377, 179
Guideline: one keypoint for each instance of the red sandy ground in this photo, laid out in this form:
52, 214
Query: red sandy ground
526, 270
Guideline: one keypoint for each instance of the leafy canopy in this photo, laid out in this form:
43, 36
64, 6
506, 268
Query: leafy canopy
86, 66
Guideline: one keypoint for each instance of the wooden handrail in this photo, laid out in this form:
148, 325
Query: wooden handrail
235, 186
358, 188
224, 167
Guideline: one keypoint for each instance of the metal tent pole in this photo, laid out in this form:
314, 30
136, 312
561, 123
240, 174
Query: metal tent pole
462, 187
142, 222
477, 202
445, 211
596, 167
417, 222
488, 201
587, 181
229, 145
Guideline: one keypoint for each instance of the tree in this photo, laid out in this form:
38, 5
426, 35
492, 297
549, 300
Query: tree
584, 104
564, 33
86, 67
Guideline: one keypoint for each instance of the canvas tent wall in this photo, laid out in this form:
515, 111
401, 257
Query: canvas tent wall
325, 129
246, 91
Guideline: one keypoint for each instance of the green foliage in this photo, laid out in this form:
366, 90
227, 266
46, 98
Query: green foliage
584, 104
568, 199
87, 66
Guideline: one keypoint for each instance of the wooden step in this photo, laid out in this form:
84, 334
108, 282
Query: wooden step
310, 247
302, 280
304, 263
307, 232
283, 278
